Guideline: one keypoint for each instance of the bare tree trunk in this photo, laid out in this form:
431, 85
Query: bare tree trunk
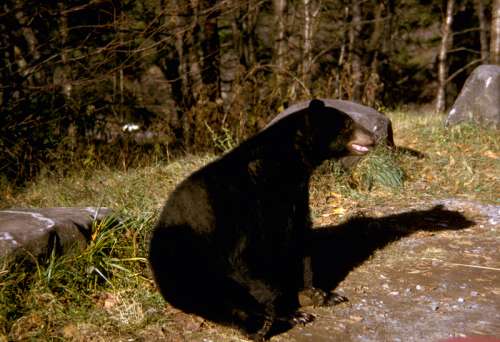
170, 66
355, 59
342, 57
307, 43
174, 60
27, 54
446, 41
184, 45
482, 30
121, 59
378, 28
280, 8
372, 84
495, 33
211, 50
236, 28
65, 68
247, 21
388, 41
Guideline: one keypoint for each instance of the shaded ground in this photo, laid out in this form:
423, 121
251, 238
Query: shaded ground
439, 278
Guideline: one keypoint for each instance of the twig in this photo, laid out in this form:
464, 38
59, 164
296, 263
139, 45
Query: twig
476, 61
465, 265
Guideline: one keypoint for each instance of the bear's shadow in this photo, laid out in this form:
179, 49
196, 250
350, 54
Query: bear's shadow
339, 249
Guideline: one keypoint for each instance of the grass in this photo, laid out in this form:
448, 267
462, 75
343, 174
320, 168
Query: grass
106, 292
463, 161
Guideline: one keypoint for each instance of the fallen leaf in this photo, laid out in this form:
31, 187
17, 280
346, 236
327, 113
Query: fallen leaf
490, 154
339, 211
355, 318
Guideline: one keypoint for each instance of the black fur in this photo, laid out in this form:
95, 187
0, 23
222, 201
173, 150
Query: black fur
231, 244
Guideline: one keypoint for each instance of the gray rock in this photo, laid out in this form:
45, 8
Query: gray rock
479, 99
374, 121
36, 232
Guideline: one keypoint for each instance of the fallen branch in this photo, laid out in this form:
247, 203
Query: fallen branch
465, 265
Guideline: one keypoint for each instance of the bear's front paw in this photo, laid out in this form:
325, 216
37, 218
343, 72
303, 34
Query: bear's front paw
335, 299
301, 318
317, 297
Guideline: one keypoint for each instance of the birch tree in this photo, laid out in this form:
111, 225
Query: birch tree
355, 59
446, 41
372, 84
280, 9
310, 14
495, 33
482, 30
184, 25
248, 13
211, 50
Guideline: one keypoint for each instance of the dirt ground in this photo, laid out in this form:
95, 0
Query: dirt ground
441, 281
423, 274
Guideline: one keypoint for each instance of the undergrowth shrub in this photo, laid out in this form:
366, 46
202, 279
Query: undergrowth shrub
223, 142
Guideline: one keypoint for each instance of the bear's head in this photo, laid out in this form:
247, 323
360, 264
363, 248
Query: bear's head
334, 134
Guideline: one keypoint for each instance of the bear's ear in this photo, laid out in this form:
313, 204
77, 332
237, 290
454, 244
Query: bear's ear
327, 120
316, 117
316, 105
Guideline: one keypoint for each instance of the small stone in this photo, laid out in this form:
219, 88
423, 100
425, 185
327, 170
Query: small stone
461, 300
110, 301
68, 331
356, 318
473, 293
419, 287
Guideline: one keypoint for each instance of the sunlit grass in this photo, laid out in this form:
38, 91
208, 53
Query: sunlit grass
462, 161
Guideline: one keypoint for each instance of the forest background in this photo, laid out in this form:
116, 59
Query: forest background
125, 83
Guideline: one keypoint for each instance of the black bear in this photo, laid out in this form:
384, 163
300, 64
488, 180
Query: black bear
231, 244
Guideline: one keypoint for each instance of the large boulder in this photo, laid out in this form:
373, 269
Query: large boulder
37, 232
479, 99
374, 121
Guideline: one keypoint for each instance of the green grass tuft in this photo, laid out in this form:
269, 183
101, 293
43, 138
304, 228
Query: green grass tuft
380, 168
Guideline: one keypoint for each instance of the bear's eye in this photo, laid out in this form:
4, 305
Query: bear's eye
337, 144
